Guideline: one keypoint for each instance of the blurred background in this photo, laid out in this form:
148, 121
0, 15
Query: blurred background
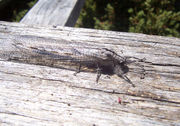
153, 17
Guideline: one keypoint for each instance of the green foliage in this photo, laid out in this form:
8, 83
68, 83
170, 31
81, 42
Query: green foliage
18, 14
107, 20
158, 17
87, 14
14, 10
3, 3
154, 17
107, 15
103, 15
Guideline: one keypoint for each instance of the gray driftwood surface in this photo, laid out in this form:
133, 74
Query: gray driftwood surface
32, 94
54, 12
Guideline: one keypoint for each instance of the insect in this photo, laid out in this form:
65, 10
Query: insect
108, 62
100, 60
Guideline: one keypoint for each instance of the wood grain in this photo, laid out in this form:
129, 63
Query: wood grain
44, 95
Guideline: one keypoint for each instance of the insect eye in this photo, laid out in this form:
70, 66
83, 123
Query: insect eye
108, 55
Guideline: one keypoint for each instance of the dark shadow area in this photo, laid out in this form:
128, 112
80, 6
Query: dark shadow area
14, 10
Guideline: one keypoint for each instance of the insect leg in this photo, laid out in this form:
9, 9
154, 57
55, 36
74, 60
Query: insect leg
126, 79
120, 71
98, 74
78, 70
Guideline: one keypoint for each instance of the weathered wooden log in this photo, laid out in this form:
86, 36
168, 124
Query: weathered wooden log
54, 12
46, 95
